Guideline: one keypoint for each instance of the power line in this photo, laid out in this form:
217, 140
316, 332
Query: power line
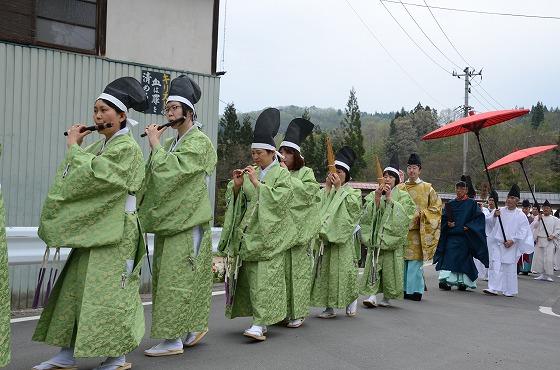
391, 56
414, 41
479, 11
462, 57
479, 84
480, 102
428, 37
445, 34
483, 97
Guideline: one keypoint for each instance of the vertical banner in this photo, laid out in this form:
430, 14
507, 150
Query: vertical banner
156, 86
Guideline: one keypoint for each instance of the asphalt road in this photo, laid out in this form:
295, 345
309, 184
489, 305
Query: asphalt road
447, 330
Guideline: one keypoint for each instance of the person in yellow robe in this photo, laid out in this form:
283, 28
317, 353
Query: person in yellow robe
423, 233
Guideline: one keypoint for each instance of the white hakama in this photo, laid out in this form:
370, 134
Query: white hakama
502, 274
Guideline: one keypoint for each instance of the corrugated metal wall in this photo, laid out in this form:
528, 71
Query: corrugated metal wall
43, 92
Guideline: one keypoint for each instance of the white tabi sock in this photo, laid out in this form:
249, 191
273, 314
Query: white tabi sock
168, 345
351, 308
65, 358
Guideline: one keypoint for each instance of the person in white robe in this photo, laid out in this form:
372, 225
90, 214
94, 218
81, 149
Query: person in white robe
502, 274
547, 243
489, 217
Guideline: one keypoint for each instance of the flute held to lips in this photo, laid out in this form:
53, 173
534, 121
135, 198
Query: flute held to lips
93, 128
168, 124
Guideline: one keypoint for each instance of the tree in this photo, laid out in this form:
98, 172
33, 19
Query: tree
537, 115
229, 130
313, 149
352, 133
246, 131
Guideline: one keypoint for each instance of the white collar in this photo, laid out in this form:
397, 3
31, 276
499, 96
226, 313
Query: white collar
417, 181
122, 131
265, 170
178, 140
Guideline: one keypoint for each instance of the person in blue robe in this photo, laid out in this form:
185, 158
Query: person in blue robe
462, 237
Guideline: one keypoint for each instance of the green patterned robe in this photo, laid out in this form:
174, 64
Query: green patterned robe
175, 203
257, 231
336, 275
299, 258
95, 305
4, 291
384, 230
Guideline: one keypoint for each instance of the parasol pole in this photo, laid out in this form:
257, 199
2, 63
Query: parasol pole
534, 198
477, 133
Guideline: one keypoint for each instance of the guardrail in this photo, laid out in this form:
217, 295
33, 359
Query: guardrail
25, 254
25, 247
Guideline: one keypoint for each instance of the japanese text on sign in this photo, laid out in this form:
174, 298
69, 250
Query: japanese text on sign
156, 86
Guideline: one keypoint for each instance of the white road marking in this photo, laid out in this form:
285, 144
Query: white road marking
33, 318
548, 311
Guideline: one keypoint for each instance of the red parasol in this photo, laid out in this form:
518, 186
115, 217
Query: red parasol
474, 123
519, 156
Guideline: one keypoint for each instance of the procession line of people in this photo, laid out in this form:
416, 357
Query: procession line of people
289, 244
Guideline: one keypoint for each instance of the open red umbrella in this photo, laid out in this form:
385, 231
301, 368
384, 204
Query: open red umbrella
519, 156
474, 123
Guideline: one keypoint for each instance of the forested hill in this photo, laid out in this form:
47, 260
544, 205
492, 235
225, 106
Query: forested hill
326, 118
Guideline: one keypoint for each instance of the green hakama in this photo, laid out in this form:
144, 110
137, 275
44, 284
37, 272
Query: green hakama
95, 305
299, 258
384, 231
175, 206
257, 232
4, 291
335, 282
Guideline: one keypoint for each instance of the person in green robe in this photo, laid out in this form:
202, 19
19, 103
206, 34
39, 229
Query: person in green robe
95, 309
257, 231
384, 229
4, 290
305, 215
175, 206
335, 273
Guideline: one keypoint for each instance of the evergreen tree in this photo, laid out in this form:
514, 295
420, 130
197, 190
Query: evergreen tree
229, 129
537, 115
246, 131
352, 133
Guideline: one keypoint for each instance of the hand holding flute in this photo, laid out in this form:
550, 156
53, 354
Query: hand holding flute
164, 126
76, 133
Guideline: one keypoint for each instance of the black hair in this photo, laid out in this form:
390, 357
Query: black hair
186, 109
347, 177
117, 109
298, 159
397, 178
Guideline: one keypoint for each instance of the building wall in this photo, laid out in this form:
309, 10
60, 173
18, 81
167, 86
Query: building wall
43, 92
174, 34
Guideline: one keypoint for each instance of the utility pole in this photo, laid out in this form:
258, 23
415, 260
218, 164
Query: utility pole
468, 74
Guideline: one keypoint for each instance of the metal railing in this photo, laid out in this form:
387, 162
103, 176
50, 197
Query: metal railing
25, 255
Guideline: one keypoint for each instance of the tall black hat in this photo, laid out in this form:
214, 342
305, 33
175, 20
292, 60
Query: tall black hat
414, 159
393, 166
345, 158
494, 195
471, 191
266, 128
546, 203
296, 132
526, 203
514, 191
126, 93
184, 90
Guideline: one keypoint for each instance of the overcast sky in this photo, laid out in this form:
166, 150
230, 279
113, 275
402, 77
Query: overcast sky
311, 52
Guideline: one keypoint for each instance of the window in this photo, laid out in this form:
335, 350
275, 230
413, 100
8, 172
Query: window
77, 25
